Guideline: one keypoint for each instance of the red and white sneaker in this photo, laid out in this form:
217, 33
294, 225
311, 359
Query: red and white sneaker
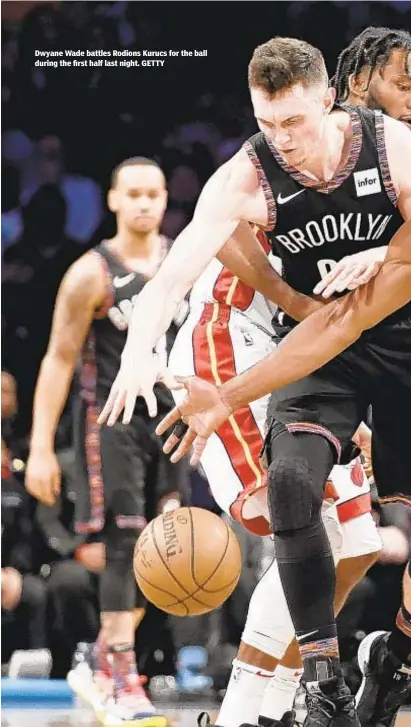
130, 705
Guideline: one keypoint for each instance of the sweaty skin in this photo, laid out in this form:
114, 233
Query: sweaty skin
314, 342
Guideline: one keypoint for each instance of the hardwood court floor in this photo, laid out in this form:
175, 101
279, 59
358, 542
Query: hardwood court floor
180, 717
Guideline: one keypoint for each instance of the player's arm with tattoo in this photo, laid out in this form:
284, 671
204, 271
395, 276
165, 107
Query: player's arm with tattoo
82, 291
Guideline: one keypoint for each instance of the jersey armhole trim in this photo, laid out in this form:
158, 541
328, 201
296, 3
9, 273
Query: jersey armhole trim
102, 311
382, 157
268, 194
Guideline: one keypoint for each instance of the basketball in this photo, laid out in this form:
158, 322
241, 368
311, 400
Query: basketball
187, 561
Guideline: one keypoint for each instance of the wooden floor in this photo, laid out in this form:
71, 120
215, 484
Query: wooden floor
182, 717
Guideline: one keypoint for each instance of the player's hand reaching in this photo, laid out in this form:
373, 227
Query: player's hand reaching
43, 476
138, 374
351, 272
200, 414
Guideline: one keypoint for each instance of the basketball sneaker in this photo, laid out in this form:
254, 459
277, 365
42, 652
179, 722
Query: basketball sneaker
386, 684
116, 698
330, 704
287, 720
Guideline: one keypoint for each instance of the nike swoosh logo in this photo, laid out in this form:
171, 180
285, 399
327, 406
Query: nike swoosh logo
121, 282
283, 200
305, 636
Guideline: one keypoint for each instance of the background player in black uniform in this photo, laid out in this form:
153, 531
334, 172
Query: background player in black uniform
113, 465
321, 180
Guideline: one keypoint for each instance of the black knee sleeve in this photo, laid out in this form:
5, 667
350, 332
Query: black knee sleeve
117, 583
299, 467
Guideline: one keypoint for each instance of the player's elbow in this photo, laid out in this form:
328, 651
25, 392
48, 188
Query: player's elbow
347, 326
59, 358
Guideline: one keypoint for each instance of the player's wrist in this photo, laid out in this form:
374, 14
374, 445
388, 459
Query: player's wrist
228, 397
41, 446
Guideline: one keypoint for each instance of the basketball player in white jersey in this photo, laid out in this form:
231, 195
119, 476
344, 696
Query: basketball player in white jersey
228, 329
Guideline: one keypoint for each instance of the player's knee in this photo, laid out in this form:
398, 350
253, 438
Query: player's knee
295, 487
291, 494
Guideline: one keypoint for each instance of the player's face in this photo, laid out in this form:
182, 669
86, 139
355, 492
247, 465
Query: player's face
294, 120
390, 88
140, 197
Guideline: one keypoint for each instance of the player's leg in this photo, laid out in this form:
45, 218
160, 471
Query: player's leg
384, 658
309, 423
217, 348
124, 452
281, 690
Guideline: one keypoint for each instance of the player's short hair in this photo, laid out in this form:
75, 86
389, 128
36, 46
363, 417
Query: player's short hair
283, 62
370, 49
132, 162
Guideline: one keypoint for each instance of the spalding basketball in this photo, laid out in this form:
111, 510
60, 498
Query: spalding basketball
187, 561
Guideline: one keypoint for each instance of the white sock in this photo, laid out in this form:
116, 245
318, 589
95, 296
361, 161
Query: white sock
242, 702
280, 693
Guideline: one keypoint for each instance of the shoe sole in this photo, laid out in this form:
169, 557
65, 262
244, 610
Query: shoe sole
90, 694
363, 656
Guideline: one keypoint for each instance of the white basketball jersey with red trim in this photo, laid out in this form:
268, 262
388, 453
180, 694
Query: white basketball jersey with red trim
218, 285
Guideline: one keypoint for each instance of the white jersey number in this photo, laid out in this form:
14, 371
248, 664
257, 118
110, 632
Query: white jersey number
325, 267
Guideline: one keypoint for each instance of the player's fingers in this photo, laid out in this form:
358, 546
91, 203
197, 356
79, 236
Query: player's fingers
46, 494
171, 418
327, 280
175, 436
365, 276
338, 284
56, 484
345, 278
170, 443
117, 408
151, 401
184, 446
167, 378
198, 449
129, 406
107, 406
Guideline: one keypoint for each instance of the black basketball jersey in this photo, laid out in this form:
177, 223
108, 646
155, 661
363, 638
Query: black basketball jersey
314, 225
108, 334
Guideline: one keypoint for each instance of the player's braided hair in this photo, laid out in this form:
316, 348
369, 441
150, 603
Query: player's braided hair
372, 48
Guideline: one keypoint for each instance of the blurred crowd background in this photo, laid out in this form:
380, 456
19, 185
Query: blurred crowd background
63, 131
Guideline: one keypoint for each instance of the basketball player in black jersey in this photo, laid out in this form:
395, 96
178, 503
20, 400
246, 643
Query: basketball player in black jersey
317, 178
113, 465
379, 57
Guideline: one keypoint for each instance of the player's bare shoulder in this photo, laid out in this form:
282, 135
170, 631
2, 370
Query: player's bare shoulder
398, 150
85, 281
239, 188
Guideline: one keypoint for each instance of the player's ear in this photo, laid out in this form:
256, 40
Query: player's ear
112, 200
356, 86
329, 99
165, 200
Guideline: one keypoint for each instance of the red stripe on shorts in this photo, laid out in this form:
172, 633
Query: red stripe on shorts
214, 361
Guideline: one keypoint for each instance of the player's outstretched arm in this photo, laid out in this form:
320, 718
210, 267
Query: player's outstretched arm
313, 343
228, 197
81, 292
329, 331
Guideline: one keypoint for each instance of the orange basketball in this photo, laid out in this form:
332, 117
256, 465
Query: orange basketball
187, 561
